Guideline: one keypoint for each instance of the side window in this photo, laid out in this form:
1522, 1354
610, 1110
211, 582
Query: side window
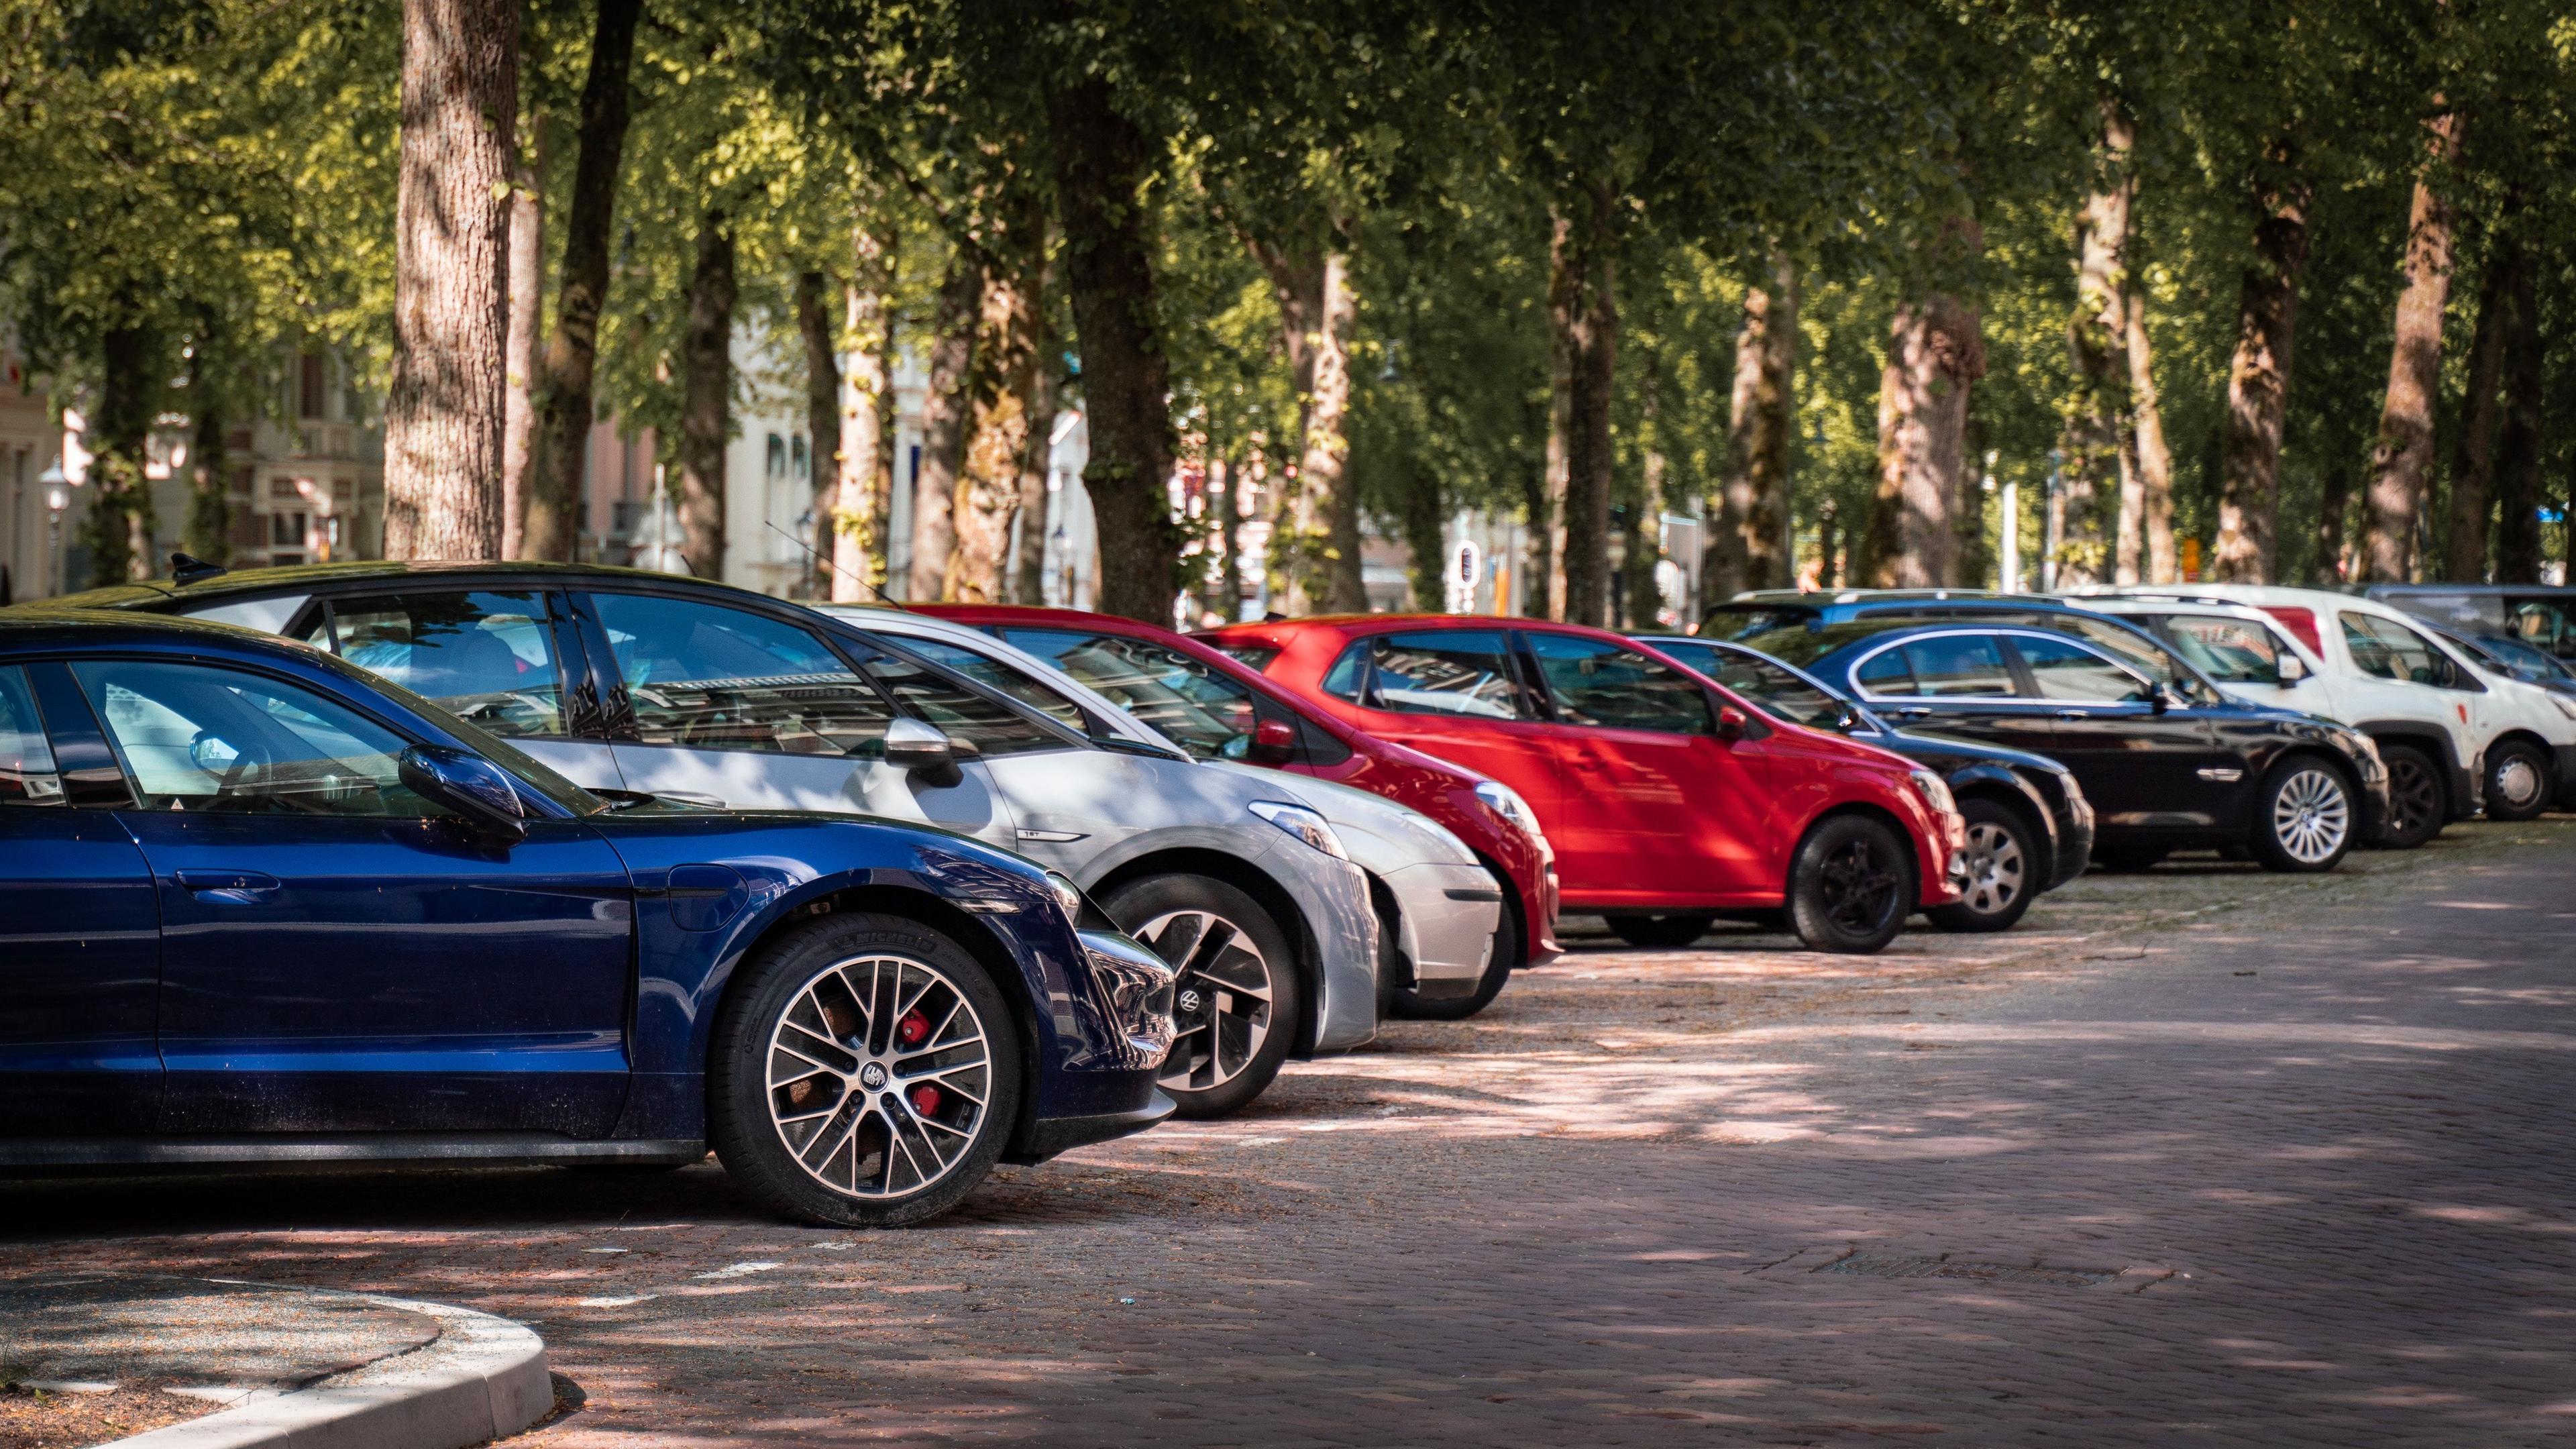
1258, 656
1348, 673
2063, 669
1593, 683
27, 774
1192, 703
2391, 650
1447, 671
1957, 666
488, 658
714, 678
984, 725
1001, 678
2233, 651
1885, 673
197, 738
1777, 692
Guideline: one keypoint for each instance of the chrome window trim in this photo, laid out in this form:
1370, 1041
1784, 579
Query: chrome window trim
2047, 635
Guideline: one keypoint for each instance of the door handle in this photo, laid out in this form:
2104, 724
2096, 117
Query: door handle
228, 887
2072, 714
1914, 711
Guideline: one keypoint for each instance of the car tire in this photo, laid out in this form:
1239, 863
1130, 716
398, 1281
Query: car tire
2003, 870
2417, 802
1663, 933
2304, 817
1237, 997
865, 1073
1850, 886
2117, 859
2518, 784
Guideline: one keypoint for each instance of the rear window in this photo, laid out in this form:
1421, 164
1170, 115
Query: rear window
1737, 623
1256, 656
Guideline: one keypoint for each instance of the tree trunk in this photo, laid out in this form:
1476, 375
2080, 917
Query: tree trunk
118, 529
1100, 162
1028, 576
1591, 320
527, 287
460, 105
209, 532
2473, 449
1828, 545
1562, 279
2089, 447
706, 398
1645, 601
1003, 395
2401, 462
1425, 521
1330, 502
1539, 562
2518, 451
822, 415
865, 457
2258, 397
946, 404
2155, 460
1935, 354
1747, 547
2333, 502
559, 454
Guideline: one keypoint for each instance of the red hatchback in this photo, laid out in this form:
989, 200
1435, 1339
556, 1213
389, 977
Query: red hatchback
1216, 707
1669, 801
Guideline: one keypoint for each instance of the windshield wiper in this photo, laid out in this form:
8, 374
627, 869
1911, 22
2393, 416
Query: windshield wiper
1126, 746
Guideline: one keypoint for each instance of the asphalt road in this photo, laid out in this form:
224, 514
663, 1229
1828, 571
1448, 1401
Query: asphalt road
2199, 1157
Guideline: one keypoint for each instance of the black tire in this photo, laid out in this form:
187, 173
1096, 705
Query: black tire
1662, 933
1216, 994
2418, 804
830, 985
2519, 783
2305, 817
2117, 858
2004, 870
1412, 1006
1851, 886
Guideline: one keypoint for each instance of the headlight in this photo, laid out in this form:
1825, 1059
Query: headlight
1507, 803
1067, 894
1303, 823
2565, 705
1935, 792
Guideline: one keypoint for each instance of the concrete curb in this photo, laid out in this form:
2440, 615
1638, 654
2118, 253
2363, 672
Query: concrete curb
482, 1378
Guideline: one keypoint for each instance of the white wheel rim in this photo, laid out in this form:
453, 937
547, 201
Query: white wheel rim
2311, 816
1221, 988
2517, 781
1996, 869
879, 1072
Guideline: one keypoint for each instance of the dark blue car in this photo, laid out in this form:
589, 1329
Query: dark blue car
259, 906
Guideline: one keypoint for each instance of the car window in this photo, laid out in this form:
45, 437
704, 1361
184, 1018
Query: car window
27, 774
716, 678
984, 725
1350, 672
1448, 671
1958, 666
1194, 704
2390, 650
1737, 622
1885, 672
1001, 678
197, 738
1255, 656
268, 616
1590, 682
1772, 688
484, 657
2064, 669
2232, 651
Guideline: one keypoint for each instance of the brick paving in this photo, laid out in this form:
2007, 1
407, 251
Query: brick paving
2204, 1156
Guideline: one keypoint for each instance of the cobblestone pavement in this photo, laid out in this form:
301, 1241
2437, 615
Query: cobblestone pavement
2203, 1156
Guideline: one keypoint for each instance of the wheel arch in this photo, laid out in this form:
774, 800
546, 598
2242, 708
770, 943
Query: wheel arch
2434, 741
1265, 892
2017, 795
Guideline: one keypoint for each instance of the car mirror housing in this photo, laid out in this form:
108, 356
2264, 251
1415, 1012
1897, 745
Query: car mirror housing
1730, 722
922, 749
2291, 670
1274, 742
473, 787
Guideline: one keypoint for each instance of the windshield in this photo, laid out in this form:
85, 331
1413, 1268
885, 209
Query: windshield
1774, 689
1802, 645
1739, 622
2235, 651
490, 746
2518, 657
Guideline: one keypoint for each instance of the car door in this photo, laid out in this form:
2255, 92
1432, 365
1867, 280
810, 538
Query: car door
2403, 671
509, 661
2143, 758
1657, 810
725, 706
336, 954
80, 939
1953, 683
1461, 695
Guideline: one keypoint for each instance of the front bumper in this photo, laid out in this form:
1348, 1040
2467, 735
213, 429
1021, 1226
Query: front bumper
1447, 915
1045, 1137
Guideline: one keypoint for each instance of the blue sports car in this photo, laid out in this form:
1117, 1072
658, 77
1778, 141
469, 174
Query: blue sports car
259, 906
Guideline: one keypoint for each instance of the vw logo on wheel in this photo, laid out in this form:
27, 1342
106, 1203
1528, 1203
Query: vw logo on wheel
1188, 1002
873, 1077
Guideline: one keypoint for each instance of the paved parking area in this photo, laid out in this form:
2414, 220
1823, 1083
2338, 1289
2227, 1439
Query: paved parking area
2202, 1156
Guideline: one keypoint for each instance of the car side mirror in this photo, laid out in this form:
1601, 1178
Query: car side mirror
1730, 722
1848, 720
1274, 742
922, 749
2291, 670
472, 786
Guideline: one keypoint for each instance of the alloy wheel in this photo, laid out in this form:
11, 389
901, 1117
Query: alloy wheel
2311, 815
2414, 797
1221, 997
1860, 886
878, 1076
1996, 870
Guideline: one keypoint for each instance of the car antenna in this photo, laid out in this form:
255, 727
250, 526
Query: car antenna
816, 556
189, 569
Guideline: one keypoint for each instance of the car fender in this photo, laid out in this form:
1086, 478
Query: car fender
1995, 777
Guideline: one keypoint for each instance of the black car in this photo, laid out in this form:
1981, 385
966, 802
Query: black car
2169, 766
2030, 829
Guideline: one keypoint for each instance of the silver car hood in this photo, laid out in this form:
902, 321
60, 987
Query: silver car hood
1381, 835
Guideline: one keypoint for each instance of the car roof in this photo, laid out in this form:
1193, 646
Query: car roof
314, 577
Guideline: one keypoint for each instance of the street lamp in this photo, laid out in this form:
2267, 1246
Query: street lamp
58, 496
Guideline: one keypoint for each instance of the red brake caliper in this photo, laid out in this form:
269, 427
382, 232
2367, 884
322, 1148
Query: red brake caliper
911, 1032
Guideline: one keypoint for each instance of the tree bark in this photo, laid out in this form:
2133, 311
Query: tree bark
706, 398
1645, 602
527, 317
2518, 451
559, 454
865, 458
2258, 397
2155, 460
2473, 449
1591, 320
822, 414
1100, 162
2333, 502
2401, 462
1317, 314
1746, 547
945, 407
1935, 354
118, 530
460, 105
1550, 529
2089, 447
1003, 397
